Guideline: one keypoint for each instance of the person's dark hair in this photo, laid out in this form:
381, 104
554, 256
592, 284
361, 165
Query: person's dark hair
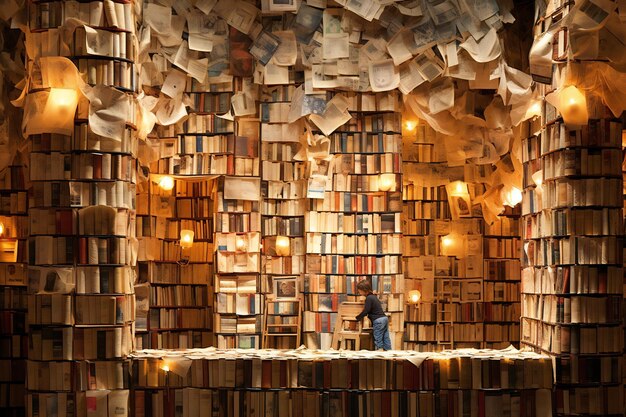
364, 286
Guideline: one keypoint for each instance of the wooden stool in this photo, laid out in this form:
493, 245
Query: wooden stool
346, 315
344, 337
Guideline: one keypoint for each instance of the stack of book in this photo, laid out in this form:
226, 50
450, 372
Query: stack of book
311, 382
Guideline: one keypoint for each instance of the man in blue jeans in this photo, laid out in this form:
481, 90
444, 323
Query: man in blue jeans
374, 311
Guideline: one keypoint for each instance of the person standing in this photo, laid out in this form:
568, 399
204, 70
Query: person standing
374, 311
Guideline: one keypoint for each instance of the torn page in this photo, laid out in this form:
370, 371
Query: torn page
205, 5
429, 66
335, 115
200, 42
170, 111
264, 47
243, 104
410, 8
174, 84
485, 50
239, 14
336, 42
287, 52
59, 72
441, 96
384, 75
410, 77
108, 110
98, 42
158, 17
400, 46
303, 104
275, 75
242, 188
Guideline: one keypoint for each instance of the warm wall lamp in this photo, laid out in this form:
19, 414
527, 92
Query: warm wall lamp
414, 296
282, 246
387, 182
186, 238
166, 182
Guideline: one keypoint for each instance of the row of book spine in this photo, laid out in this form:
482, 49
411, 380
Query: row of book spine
572, 281
470, 299
13, 295
81, 297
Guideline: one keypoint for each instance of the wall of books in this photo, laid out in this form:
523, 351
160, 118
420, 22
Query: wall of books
461, 270
353, 219
13, 287
337, 384
223, 173
81, 210
572, 281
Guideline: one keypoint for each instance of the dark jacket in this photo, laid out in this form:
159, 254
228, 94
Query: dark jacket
373, 310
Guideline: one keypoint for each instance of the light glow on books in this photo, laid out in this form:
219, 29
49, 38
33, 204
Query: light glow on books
186, 238
414, 296
166, 183
458, 189
63, 98
573, 106
511, 196
387, 182
282, 246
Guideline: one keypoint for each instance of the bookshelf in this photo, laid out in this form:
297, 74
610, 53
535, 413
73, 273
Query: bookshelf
177, 283
238, 299
464, 268
13, 288
572, 276
310, 383
354, 231
284, 174
81, 209
282, 322
502, 308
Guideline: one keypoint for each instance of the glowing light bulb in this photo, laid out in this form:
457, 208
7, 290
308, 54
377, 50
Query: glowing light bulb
458, 189
63, 97
186, 238
410, 125
240, 244
414, 296
573, 106
282, 246
165, 367
511, 196
1, 229
387, 182
447, 240
166, 182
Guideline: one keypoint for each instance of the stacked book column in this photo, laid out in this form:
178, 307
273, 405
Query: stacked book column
13, 289
81, 212
353, 229
283, 188
572, 276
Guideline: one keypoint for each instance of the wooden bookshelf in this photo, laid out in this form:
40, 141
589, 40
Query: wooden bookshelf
354, 232
572, 276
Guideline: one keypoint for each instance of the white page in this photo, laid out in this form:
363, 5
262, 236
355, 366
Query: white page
384, 75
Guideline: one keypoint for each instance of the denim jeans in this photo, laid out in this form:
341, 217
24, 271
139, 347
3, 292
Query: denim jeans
380, 328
